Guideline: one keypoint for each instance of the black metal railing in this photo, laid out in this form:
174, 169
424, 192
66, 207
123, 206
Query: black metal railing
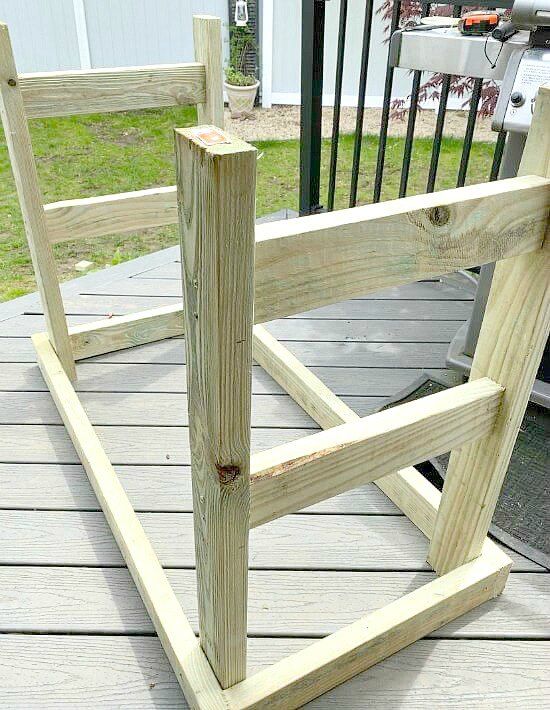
313, 35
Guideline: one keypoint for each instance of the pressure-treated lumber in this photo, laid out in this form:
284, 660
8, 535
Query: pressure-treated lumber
119, 333
176, 635
111, 214
305, 675
408, 489
313, 261
302, 385
292, 476
63, 93
515, 330
207, 38
361, 250
16, 132
216, 189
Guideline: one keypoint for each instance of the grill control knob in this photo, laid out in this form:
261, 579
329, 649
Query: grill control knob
517, 99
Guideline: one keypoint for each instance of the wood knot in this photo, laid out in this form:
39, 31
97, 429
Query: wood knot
227, 474
439, 216
12, 82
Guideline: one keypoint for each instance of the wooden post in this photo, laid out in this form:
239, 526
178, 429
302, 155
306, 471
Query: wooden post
216, 203
509, 350
207, 37
17, 135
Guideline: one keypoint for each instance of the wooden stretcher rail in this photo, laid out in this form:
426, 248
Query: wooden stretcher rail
408, 489
305, 675
63, 93
292, 476
313, 261
121, 332
111, 214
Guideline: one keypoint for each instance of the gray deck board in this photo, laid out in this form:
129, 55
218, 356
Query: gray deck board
301, 541
159, 409
308, 603
374, 330
123, 444
132, 672
347, 355
98, 376
86, 638
57, 486
169, 285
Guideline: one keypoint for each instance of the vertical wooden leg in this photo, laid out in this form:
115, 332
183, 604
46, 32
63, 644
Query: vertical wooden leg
18, 139
216, 188
207, 38
512, 339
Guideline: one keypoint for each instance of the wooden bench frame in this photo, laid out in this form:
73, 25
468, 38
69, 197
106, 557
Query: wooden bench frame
235, 275
24, 96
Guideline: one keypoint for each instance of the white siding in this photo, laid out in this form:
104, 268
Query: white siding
287, 46
43, 34
120, 32
133, 32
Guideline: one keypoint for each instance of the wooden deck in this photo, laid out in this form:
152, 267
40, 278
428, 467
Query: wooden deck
74, 631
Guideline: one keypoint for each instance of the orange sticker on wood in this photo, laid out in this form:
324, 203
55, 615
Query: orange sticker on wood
210, 135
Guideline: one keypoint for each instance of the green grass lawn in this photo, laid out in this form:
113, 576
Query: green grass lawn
83, 156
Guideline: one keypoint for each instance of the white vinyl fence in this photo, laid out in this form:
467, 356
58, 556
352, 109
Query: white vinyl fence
51, 35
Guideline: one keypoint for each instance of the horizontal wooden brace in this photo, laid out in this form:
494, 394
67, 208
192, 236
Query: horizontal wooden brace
305, 675
300, 473
313, 261
111, 214
416, 497
121, 332
63, 93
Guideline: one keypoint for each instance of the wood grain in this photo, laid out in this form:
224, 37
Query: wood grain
17, 136
216, 197
207, 38
515, 329
120, 333
313, 468
110, 214
63, 93
305, 675
312, 261
179, 642
165, 280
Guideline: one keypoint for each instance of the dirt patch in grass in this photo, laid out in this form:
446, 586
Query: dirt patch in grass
283, 122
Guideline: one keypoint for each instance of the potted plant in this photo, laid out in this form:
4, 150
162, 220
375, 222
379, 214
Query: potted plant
241, 88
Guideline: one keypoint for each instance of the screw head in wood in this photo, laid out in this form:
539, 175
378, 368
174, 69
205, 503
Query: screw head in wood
12, 82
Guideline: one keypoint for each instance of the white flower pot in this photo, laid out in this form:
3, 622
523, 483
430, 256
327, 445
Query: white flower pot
241, 99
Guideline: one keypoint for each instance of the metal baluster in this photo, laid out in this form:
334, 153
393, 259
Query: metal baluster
313, 33
440, 122
337, 103
497, 156
367, 27
409, 137
385, 110
469, 135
